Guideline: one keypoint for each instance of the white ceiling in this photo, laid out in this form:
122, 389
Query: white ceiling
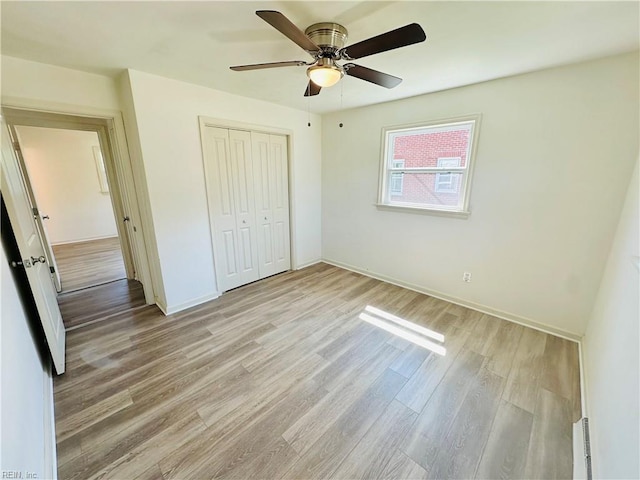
467, 42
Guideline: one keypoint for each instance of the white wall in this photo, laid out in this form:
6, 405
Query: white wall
611, 352
167, 114
32, 81
63, 173
555, 150
25, 396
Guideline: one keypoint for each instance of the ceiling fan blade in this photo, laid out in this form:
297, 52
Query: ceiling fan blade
370, 75
400, 37
288, 29
260, 66
312, 89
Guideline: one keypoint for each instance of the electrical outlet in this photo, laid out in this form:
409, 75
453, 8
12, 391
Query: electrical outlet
466, 277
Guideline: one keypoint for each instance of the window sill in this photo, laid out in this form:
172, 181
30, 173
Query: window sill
423, 211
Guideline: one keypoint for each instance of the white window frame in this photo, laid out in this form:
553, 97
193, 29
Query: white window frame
464, 184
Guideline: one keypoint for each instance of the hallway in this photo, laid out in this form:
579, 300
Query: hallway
86, 264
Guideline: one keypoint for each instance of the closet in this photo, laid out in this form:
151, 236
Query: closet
248, 196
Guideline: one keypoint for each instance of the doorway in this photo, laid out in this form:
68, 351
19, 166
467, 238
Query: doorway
67, 175
81, 208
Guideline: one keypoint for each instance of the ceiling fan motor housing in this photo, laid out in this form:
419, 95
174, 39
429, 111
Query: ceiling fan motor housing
331, 37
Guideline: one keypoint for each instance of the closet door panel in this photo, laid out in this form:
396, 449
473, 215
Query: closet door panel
280, 200
242, 174
264, 208
221, 200
230, 253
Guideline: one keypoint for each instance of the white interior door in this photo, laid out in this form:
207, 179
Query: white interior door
32, 251
37, 214
229, 176
272, 202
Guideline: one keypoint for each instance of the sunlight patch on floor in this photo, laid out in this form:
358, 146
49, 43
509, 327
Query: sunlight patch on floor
405, 329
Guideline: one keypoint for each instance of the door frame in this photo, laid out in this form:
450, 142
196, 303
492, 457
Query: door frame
109, 126
206, 121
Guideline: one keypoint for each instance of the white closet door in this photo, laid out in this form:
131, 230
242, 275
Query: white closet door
228, 173
280, 202
242, 173
272, 202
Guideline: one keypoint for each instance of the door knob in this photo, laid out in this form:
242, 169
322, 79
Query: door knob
126, 219
40, 259
45, 217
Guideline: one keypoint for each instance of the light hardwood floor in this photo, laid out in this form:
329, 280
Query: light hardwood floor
86, 264
95, 303
284, 378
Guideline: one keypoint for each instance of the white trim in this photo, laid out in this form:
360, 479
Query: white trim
558, 332
247, 127
424, 211
100, 169
171, 309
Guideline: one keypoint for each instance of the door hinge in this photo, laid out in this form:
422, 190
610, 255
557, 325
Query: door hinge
16, 146
35, 211
52, 270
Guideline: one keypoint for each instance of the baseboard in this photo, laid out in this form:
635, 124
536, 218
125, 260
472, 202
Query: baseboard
171, 309
459, 301
90, 239
50, 450
308, 264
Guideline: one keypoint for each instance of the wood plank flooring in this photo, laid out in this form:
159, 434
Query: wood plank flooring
95, 303
294, 377
86, 264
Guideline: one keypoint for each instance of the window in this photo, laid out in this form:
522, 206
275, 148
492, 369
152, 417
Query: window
396, 179
428, 166
447, 182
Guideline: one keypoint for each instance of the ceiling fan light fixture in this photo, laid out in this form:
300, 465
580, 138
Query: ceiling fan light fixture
325, 73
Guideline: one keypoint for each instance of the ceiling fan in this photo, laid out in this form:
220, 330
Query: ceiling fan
325, 43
